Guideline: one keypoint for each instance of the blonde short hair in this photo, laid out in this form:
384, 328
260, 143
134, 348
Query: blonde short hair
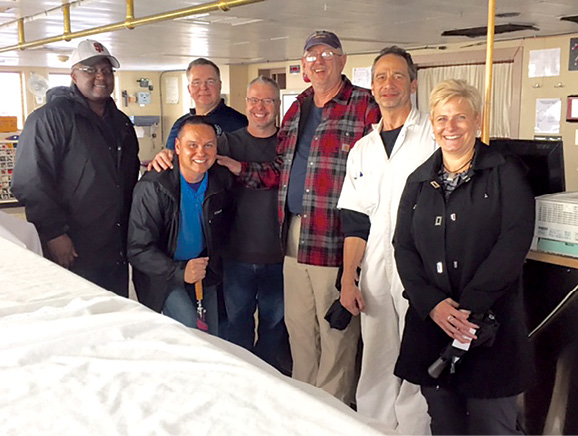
452, 88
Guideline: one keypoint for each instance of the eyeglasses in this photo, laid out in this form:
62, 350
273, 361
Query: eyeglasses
326, 55
209, 83
266, 101
91, 71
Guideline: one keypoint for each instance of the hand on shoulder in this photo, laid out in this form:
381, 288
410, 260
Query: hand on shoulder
162, 161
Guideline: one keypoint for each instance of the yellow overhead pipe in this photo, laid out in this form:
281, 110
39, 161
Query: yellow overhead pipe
66, 19
21, 31
129, 13
129, 23
487, 112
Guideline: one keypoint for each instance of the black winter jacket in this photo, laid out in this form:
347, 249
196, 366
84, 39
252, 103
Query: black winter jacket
75, 175
154, 227
472, 249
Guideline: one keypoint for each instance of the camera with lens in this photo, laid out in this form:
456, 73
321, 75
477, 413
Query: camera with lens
450, 355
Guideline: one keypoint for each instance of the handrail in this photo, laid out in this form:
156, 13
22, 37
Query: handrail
569, 298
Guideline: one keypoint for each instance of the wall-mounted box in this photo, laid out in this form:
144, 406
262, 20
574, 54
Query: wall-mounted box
143, 97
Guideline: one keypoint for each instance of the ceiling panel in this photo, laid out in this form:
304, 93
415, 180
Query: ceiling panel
273, 30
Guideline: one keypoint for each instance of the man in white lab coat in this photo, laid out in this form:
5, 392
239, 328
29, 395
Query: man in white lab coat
377, 168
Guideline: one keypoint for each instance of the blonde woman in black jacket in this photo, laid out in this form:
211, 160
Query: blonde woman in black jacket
464, 227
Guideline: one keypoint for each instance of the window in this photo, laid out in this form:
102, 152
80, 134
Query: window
11, 102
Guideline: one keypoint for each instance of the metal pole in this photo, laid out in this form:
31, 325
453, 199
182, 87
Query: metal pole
21, 31
129, 14
66, 18
487, 112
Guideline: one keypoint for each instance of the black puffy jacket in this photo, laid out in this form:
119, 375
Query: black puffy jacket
154, 227
75, 174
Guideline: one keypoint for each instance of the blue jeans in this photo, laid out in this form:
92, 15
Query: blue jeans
250, 286
181, 306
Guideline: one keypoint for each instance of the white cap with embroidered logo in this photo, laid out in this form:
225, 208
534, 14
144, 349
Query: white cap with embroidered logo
90, 52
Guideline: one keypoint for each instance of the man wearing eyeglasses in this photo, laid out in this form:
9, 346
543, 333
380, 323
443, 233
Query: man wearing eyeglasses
76, 167
315, 137
377, 169
253, 262
204, 87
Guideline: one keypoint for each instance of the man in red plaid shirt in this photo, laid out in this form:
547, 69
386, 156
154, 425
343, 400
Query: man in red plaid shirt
316, 135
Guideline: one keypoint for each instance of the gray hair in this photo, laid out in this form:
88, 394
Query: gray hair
266, 81
402, 53
203, 61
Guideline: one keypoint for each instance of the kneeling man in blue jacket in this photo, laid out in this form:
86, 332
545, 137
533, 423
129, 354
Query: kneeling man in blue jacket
178, 224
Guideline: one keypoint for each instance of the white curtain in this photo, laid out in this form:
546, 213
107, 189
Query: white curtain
427, 78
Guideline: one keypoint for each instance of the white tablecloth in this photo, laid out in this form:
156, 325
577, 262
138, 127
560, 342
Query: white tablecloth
78, 360
20, 232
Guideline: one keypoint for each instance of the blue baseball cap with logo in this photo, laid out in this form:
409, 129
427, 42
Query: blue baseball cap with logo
322, 37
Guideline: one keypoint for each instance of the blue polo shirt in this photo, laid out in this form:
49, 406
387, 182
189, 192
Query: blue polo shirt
191, 238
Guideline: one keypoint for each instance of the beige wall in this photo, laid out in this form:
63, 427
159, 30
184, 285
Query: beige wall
235, 79
294, 81
127, 80
524, 91
548, 89
172, 111
236, 82
149, 144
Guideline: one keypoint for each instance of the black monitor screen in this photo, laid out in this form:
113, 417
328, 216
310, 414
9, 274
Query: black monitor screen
544, 159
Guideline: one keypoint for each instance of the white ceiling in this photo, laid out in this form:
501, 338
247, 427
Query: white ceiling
272, 30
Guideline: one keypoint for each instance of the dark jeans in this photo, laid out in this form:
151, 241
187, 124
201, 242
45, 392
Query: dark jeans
458, 415
248, 287
112, 278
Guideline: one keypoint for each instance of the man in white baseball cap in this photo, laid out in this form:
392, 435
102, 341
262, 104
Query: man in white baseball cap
76, 170
90, 51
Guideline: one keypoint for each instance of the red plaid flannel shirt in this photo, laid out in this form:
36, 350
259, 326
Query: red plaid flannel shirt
345, 119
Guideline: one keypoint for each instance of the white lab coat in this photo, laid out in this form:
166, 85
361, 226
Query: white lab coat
373, 186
